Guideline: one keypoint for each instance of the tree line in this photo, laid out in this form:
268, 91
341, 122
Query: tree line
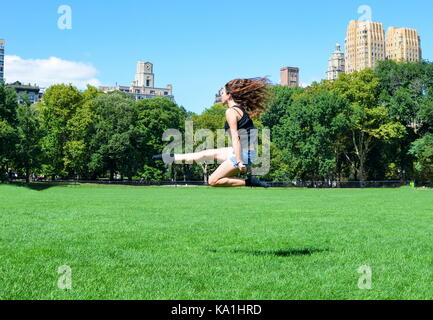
368, 125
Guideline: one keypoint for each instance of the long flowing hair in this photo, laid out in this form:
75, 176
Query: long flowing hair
252, 94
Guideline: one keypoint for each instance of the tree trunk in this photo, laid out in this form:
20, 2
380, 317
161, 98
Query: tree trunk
9, 175
27, 175
362, 148
3, 170
205, 177
362, 171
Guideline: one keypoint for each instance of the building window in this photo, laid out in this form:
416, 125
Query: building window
147, 83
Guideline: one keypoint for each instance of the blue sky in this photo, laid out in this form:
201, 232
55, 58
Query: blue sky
197, 46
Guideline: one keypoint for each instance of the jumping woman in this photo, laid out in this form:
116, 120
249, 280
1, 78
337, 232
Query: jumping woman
245, 99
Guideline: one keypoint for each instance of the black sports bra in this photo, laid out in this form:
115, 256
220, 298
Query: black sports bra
246, 129
243, 123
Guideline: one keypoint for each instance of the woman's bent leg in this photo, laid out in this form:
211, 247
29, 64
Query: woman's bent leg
222, 177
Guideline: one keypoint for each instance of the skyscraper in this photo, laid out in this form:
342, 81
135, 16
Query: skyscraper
289, 76
335, 64
403, 44
365, 45
2, 59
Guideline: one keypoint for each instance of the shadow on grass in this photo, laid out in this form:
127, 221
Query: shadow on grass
39, 186
277, 253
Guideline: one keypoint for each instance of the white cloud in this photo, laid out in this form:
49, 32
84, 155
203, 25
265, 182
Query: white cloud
46, 72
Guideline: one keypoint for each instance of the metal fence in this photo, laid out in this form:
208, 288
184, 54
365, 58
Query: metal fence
293, 184
342, 184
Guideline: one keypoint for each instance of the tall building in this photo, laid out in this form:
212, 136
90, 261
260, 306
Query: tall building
289, 76
403, 44
2, 59
144, 76
218, 99
336, 64
365, 45
33, 92
143, 85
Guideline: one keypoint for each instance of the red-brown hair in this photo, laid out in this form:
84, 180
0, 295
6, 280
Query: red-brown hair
251, 94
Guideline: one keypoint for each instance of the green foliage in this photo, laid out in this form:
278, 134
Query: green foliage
422, 149
406, 89
149, 173
8, 134
154, 116
116, 142
8, 139
307, 135
27, 148
278, 106
373, 124
59, 106
212, 118
8, 104
370, 122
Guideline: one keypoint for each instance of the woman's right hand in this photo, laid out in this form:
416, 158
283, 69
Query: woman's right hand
242, 167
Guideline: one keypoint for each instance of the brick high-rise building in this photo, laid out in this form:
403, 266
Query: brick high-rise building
403, 44
289, 77
365, 45
2, 59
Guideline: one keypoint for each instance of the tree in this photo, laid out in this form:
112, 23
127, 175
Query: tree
278, 106
28, 151
154, 116
7, 141
369, 121
77, 150
307, 135
406, 89
114, 140
8, 104
422, 149
8, 135
59, 106
212, 118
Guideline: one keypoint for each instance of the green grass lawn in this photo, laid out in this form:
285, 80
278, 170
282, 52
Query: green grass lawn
201, 243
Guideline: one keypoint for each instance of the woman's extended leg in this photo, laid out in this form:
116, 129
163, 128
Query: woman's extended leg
219, 155
222, 177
